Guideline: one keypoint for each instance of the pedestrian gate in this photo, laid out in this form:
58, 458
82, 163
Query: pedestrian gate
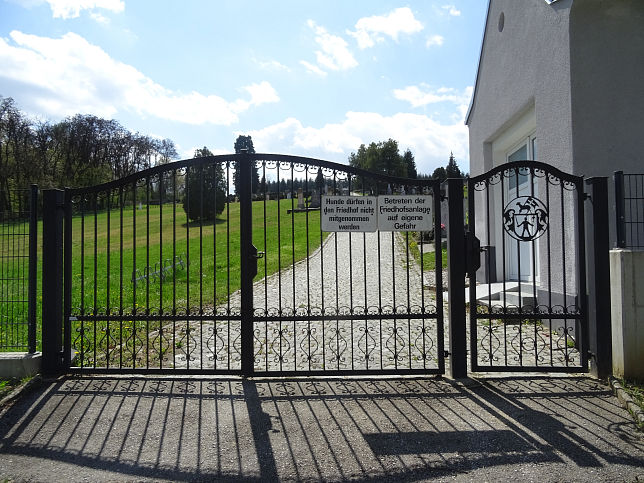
527, 292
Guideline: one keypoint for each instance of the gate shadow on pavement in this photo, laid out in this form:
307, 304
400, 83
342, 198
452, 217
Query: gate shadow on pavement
318, 429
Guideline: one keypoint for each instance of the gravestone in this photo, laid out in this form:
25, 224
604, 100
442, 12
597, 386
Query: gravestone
315, 199
300, 200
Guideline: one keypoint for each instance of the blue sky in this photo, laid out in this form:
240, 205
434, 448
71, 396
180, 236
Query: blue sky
301, 77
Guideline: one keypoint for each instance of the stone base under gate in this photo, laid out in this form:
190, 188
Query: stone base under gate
16, 365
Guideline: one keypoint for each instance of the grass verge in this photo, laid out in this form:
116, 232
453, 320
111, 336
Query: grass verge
635, 389
428, 258
8, 385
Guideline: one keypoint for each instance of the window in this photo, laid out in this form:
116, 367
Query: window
525, 151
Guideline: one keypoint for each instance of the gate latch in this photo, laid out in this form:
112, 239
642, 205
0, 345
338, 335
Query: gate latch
254, 255
472, 252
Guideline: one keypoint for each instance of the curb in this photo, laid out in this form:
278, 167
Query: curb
20, 390
627, 401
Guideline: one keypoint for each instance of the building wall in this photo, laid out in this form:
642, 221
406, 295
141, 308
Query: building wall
607, 79
523, 88
525, 66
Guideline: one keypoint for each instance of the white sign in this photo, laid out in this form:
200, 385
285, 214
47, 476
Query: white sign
349, 213
405, 213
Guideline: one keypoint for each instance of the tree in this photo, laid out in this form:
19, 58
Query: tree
245, 142
80, 150
205, 194
452, 170
439, 174
410, 164
382, 157
166, 151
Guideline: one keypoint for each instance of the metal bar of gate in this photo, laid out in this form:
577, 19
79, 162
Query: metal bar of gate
247, 261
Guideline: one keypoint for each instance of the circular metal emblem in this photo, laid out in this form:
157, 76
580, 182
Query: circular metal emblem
525, 218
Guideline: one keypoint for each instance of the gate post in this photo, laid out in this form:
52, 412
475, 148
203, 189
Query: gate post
598, 278
52, 282
248, 260
456, 279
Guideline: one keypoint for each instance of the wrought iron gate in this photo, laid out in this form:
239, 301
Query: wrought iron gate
527, 300
357, 301
170, 270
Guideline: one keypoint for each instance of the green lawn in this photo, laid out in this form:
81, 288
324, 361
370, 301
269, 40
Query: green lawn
107, 248
13, 291
210, 267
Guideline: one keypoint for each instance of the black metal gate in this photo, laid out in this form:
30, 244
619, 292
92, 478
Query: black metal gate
357, 301
527, 293
172, 270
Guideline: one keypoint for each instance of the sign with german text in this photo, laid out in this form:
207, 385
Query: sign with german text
349, 213
405, 213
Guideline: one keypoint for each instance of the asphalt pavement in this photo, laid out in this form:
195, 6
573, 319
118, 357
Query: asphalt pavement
319, 429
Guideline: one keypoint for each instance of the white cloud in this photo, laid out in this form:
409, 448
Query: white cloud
435, 40
271, 65
99, 18
66, 9
451, 10
423, 95
262, 93
312, 68
69, 75
430, 141
371, 30
334, 53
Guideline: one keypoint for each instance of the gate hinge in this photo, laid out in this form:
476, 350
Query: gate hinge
445, 353
587, 196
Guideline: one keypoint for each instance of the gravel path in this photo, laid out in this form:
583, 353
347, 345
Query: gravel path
350, 270
350, 275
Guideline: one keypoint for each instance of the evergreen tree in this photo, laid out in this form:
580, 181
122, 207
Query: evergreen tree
452, 170
245, 142
410, 163
205, 193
